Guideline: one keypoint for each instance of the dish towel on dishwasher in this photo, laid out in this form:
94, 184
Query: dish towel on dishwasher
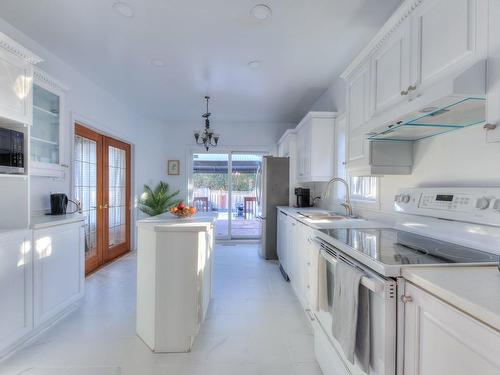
350, 312
320, 303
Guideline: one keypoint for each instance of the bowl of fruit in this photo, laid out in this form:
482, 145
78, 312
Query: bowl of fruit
181, 210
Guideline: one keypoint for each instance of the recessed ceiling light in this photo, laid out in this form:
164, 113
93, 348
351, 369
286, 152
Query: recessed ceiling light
158, 63
123, 9
261, 12
255, 64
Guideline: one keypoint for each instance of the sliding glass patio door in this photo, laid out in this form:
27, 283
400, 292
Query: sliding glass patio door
227, 184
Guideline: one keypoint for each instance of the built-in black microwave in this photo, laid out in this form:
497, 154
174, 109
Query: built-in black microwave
11, 151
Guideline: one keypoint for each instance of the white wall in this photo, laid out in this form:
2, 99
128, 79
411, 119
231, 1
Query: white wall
459, 158
179, 141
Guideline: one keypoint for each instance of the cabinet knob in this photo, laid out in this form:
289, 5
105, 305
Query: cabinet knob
412, 88
406, 299
404, 92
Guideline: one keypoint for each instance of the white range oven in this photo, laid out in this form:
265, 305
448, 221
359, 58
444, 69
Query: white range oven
419, 239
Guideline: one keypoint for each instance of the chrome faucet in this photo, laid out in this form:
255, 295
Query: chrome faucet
347, 202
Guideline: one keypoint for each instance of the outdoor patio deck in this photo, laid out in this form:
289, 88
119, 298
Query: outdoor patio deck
240, 228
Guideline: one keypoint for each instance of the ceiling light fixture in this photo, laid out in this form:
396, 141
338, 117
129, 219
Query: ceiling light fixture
261, 12
123, 9
255, 64
206, 137
158, 63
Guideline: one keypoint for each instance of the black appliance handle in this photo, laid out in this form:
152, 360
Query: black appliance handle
76, 203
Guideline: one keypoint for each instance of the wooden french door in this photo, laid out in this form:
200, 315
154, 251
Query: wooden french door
102, 184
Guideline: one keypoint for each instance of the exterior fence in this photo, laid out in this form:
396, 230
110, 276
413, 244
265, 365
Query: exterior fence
218, 200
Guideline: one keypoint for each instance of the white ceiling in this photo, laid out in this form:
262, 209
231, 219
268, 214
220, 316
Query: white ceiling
206, 46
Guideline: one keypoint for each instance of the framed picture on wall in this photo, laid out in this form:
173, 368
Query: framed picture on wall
173, 167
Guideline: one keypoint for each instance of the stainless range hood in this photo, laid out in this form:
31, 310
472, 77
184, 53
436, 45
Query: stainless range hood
463, 105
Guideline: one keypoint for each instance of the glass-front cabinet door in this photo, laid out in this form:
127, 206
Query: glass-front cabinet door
46, 149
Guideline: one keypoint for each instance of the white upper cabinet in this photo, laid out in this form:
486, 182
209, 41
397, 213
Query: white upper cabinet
424, 44
357, 113
391, 70
47, 133
16, 79
315, 147
286, 143
447, 37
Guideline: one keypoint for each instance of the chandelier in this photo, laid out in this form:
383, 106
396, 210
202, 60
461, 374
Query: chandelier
206, 137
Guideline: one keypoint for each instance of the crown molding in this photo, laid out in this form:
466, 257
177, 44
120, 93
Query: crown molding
42, 77
15, 48
397, 18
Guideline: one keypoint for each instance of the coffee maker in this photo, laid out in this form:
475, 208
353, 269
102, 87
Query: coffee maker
303, 197
59, 204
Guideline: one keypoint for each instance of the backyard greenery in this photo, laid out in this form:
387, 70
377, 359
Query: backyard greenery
158, 200
218, 181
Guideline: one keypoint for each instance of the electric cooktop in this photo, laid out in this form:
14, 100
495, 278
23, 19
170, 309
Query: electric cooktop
396, 247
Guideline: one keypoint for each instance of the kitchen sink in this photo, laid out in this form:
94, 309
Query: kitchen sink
329, 216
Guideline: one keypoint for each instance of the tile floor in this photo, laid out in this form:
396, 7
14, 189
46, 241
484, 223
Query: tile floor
255, 327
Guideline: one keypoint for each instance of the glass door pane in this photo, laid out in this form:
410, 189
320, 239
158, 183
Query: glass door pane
86, 182
210, 188
245, 170
116, 198
116, 186
45, 130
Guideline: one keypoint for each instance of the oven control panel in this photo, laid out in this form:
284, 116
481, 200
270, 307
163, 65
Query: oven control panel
476, 205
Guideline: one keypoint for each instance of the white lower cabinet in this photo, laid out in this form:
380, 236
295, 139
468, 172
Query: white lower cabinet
281, 240
41, 279
440, 339
16, 291
290, 250
58, 269
174, 283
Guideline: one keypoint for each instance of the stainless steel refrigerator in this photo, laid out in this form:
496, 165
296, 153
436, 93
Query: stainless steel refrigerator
275, 183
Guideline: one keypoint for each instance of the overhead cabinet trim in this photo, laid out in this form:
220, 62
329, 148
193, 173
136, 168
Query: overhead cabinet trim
15, 48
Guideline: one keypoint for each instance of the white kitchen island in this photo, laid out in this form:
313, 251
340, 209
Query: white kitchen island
174, 279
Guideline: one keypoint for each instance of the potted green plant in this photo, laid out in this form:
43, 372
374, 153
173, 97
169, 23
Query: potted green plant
158, 200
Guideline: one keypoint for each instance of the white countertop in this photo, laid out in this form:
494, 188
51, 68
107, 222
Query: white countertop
45, 221
169, 222
474, 290
327, 224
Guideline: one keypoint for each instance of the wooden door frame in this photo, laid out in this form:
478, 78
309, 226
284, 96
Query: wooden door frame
93, 264
116, 251
104, 254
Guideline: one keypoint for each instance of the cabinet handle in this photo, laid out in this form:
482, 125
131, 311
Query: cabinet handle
406, 299
65, 165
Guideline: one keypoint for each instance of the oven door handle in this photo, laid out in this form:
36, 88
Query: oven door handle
374, 285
